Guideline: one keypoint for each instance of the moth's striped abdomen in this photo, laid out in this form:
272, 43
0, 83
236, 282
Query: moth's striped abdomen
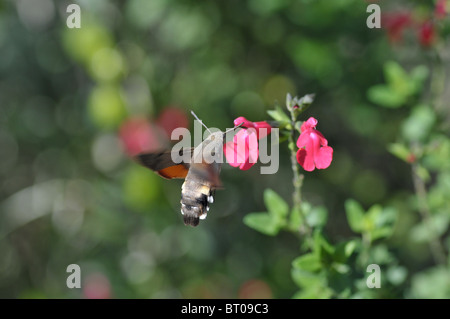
195, 200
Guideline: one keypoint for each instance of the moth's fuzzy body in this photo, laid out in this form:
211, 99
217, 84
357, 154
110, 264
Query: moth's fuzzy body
197, 192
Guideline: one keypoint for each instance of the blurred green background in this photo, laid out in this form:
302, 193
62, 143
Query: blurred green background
70, 194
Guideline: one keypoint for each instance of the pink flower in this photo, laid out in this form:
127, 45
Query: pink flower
172, 118
243, 151
97, 286
440, 11
426, 34
395, 24
262, 128
139, 135
314, 151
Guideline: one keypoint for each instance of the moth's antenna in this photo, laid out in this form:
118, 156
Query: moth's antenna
201, 122
232, 129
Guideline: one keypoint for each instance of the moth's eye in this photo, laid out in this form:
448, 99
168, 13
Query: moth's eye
213, 153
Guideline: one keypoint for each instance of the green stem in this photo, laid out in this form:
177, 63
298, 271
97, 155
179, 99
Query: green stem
297, 180
437, 87
436, 247
366, 244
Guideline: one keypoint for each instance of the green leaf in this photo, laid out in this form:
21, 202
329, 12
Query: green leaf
263, 222
387, 217
303, 278
418, 77
344, 250
433, 228
275, 204
383, 95
381, 232
400, 85
306, 100
322, 247
317, 217
288, 100
397, 79
350, 247
419, 124
279, 115
400, 151
432, 283
316, 291
355, 215
340, 267
371, 217
384, 223
437, 153
308, 262
380, 222
381, 255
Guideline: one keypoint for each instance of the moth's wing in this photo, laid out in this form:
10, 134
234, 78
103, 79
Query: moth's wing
208, 172
163, 164
176, 171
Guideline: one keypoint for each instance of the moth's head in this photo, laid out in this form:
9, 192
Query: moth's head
216, 136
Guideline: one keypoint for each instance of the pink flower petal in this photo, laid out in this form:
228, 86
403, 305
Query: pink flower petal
309, 124
229, 149
323, 157
322, 140
246, 122
262, 129
235, 152
243, 151
303, 139
305, 160
251, 148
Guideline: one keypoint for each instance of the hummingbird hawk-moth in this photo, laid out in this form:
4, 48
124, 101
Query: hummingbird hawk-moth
201, 173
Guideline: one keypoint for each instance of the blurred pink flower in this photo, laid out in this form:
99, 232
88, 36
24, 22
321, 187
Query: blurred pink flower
138, 135
255, 289
395, 23
440, 10
314, 151
97, 286
172, 118
426, 34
